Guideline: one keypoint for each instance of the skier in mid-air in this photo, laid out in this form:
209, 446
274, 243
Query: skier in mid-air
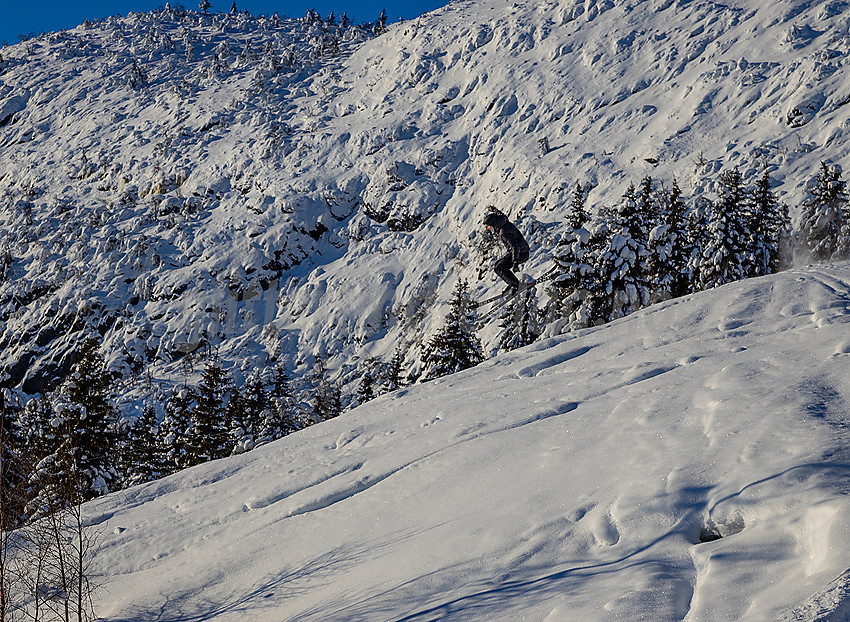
497, 222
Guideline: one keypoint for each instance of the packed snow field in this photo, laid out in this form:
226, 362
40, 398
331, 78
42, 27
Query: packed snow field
585, 477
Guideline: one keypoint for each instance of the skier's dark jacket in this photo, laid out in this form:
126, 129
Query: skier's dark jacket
510, 236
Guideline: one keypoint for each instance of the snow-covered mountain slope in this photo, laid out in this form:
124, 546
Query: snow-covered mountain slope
180, 183
576, 479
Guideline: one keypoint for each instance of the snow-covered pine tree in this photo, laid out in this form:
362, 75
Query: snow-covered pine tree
172, 438
327, 398
577, 216
520, 322
649, 209
392, 377
380, 25
35, 432
209, 437
823, 215
141, 459
281, 416
248, 412
13, 479
768, 227
724, 255
696, 225
366, 386
455, 346
669, 249
574, 264
621, 264
86, 424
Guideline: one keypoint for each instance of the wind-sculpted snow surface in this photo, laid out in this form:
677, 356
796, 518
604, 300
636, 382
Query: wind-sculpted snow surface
688, 462
278, 189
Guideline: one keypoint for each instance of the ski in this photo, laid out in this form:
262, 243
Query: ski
501, 300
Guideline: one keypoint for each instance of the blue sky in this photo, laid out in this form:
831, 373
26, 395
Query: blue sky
26, 17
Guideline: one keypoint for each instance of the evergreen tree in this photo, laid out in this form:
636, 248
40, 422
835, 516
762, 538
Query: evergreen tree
327, 398
381, 25
824, 214
392, 377
574, 264
250, 415
577, 215
724, 256
35, 434
455, 346
13, 473
649, 210
209, 437
520, 322
86, 422
621, 264
696, 225
366, 387
669, 249
241, 439
141, 459
172, 438
676, 212
768, 225
281, 418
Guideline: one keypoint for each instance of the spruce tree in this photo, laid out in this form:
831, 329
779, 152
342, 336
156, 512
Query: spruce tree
768, 226
251, 413
577, 215
209, 435
366, 387
520, 322
172, 436
35, 433
13, 474
281, 418
622, 262
455, 346
676, 212
669, 249
327, 398
574, 264
649, 210
696, 226
724, 256
392, 376
824, 214
86, 422
141, 458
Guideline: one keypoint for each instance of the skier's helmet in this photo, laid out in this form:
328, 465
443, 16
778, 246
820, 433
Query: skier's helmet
494, 220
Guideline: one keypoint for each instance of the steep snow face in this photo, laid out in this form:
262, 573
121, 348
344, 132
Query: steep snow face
688, 462
180, 182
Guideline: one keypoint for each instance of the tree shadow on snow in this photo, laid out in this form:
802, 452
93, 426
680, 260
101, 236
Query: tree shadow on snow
194, 606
